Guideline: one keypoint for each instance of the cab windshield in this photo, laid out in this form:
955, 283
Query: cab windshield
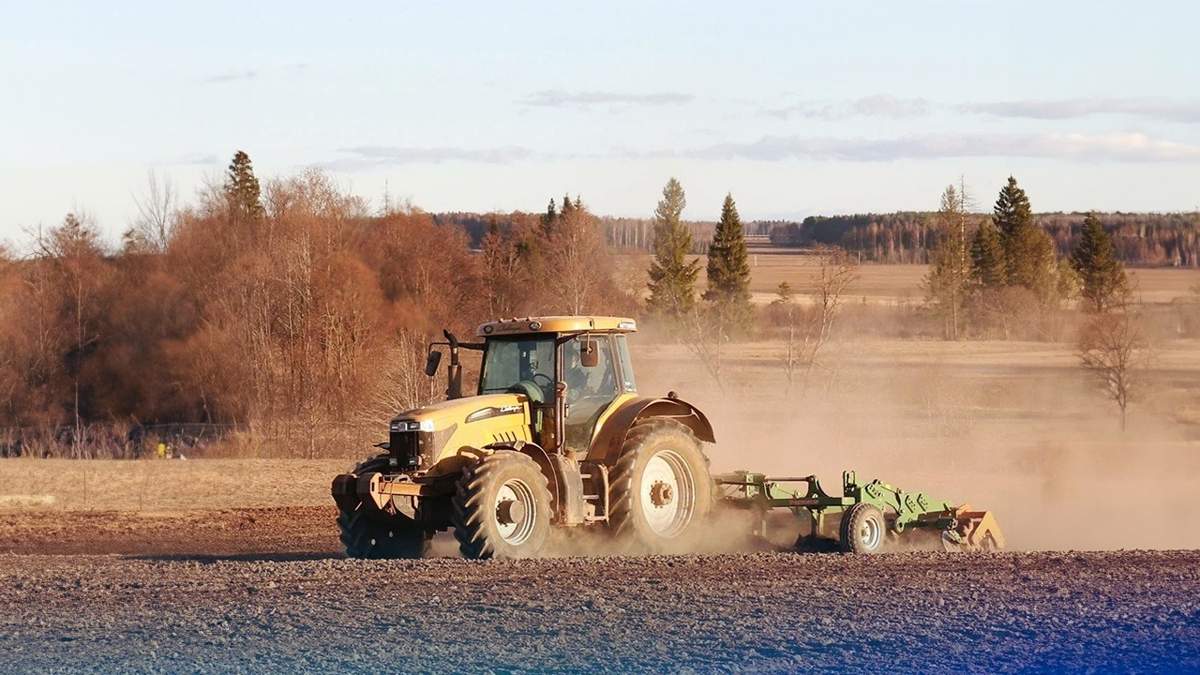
508, 362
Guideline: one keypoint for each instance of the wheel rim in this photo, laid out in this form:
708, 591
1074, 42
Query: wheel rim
870, 533
516, 511
668, 493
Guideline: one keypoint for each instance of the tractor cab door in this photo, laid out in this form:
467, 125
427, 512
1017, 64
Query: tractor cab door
590, 388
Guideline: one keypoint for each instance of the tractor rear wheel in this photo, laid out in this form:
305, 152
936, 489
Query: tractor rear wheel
502, 507
863, 529
660, 487
377, 536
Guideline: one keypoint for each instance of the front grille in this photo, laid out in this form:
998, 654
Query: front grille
405, 446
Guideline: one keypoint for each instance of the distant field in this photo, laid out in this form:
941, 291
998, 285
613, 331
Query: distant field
891, 284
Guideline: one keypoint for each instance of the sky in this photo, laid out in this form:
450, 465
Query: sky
796, 108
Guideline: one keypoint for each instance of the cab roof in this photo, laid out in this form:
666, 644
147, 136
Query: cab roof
557, 324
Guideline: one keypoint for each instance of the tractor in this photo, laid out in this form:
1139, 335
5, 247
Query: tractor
555, 436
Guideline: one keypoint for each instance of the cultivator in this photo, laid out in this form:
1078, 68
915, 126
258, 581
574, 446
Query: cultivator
865, 518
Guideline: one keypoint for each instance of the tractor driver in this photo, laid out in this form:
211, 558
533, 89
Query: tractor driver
589, 389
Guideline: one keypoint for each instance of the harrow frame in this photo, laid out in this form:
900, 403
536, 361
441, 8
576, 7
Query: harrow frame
957, 527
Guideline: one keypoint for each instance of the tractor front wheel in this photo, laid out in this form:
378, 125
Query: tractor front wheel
502, 508
372, 536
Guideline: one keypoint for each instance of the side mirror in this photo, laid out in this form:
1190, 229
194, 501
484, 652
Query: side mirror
589, 354
432, 362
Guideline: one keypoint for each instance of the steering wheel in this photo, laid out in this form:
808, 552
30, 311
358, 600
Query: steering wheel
549, 381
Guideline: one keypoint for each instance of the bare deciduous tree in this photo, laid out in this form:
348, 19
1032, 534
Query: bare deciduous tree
156, 214
576, 260
806, 329
705, 332
1113, 347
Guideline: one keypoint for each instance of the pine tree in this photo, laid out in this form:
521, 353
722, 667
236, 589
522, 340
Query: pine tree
1012, 211
550, 216
567, 205
672, 275
1103, 280
987, 257
242, 189
1029, 259
728, 265
950, 271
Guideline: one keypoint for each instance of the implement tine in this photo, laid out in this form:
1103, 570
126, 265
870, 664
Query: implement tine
980, 529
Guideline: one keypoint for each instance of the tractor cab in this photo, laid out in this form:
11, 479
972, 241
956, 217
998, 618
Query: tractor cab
570, 369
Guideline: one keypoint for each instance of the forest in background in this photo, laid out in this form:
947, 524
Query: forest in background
903, 237
1149, 239
293, 316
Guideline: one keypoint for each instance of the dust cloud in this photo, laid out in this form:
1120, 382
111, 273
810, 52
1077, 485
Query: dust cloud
1016, 428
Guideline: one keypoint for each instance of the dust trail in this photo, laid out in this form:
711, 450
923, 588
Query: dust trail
1016, 428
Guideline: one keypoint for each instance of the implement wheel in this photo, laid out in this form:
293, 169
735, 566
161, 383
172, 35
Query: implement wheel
660, 486
863, 529
375, 536
502, 508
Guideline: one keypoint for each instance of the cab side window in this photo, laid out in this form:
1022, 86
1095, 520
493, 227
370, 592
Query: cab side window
589, 390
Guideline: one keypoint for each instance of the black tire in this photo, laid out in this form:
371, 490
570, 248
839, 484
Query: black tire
502, 508
863, 530
377, 536
636, 494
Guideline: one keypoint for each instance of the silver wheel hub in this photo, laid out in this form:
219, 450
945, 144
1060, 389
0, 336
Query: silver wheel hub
667, 492
515, 511
869, 533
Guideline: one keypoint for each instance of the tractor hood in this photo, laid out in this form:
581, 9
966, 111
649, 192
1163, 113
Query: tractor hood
440, 416
437, 437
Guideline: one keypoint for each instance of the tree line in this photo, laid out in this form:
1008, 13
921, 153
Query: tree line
1152, 239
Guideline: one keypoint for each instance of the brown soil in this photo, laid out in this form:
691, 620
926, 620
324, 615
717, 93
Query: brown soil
301, 530
266, 590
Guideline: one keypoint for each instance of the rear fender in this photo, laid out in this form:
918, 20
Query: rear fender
608, 441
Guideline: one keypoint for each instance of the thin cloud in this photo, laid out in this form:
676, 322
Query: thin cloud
557, 98
231, 76
255, 73
1134, 147
367, 156
1152, 108
878, 105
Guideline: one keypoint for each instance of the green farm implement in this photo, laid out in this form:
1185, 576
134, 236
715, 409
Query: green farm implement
864, 518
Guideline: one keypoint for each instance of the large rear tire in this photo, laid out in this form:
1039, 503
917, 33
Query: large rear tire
372, 536
502, 508
660, 488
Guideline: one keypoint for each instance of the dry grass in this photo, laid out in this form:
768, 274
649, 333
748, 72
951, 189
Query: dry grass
157, 486
894, 284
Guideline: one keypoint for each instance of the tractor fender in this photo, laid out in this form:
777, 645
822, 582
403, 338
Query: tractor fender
611, 436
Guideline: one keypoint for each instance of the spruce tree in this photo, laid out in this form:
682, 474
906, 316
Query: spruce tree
729, 265
550, 216
950, 270
1028, 251
1103, 280
987, 257
672, 275
242, 189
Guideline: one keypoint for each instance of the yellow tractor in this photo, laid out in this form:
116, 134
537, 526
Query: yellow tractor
556, 435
